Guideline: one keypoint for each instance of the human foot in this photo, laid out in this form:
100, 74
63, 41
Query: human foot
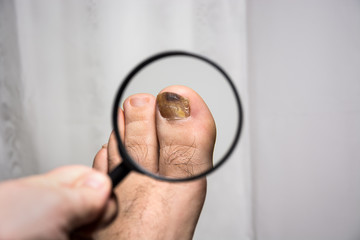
173, 142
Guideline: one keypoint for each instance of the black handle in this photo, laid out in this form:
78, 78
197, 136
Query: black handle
118, 174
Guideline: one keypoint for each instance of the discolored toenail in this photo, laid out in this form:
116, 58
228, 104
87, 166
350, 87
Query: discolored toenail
172, 106
139, 101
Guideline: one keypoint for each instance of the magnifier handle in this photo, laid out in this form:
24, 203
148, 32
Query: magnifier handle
118, 174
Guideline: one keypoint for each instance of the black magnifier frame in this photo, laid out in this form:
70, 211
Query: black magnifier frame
128, 163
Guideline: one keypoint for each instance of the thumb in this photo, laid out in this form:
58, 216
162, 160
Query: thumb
87, 199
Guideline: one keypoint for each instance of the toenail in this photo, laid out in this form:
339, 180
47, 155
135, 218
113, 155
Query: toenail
173, 106
139, 101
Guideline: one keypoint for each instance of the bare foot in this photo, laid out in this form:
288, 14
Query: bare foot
175, 141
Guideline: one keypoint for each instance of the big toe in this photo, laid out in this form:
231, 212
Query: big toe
186, 133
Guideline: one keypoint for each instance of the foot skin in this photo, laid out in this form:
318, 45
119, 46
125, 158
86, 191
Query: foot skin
173, 136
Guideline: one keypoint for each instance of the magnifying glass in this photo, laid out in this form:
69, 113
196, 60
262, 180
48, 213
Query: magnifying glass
206, 78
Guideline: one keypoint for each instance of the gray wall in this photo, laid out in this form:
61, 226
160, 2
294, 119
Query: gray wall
304, 71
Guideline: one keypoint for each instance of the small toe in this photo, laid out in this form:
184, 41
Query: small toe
101, 160
140, 130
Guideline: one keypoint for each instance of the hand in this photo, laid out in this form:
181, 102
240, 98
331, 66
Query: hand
66, 203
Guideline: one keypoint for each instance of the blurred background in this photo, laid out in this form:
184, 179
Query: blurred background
296, 172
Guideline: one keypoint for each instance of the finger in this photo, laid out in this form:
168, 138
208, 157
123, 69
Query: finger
86, 200
67, 175
107, 217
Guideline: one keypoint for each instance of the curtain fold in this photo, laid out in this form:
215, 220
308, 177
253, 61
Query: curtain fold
17, 151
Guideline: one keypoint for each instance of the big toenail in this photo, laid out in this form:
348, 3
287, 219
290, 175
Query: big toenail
139, 101
172, 106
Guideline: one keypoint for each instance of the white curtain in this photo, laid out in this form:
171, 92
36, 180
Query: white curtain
62, 61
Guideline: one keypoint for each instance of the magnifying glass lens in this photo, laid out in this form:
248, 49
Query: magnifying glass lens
177, 117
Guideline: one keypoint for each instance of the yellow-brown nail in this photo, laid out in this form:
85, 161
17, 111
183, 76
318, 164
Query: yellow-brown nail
172, 106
